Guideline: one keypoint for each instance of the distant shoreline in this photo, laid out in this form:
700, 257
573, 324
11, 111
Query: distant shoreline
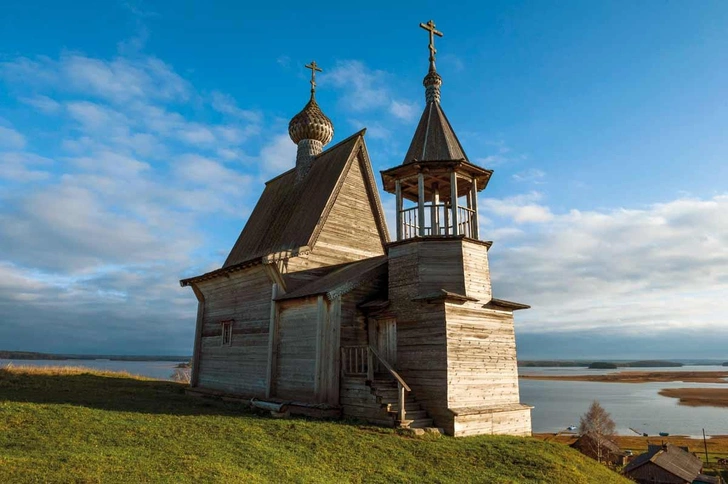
641, 377
29, 355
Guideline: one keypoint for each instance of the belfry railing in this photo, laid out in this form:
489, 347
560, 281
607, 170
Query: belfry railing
437, 222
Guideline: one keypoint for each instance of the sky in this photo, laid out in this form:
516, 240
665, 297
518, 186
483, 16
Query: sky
136, 137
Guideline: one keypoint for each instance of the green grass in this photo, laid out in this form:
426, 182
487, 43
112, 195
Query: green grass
84, 426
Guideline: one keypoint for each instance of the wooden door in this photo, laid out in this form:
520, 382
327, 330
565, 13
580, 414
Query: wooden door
387, 340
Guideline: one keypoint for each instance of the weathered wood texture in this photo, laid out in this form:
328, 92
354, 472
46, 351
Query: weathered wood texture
244, 297
421, 344
481, 357
455, 355
652, 473
358, 401
459, 266
296, 356
506, 422
353, 320
350, 230
476, 270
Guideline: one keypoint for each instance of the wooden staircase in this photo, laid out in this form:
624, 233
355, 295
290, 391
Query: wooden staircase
384, 388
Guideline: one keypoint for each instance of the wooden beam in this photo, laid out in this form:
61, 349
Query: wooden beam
474, 196
435, 217
196, 350
421, 204
454, 201
318, 366
335, 320
398, 196
272, 341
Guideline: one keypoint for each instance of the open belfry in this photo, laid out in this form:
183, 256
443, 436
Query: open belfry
317, 310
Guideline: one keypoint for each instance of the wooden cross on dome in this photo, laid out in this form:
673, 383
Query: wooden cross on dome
313, 68
430, 27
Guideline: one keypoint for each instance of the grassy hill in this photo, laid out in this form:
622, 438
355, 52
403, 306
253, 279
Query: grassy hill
61, 425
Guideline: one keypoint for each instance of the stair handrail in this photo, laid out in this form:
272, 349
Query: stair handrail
390, 369
401, 385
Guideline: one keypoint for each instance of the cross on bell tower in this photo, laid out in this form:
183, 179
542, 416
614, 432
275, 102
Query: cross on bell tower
436, 178
430, 27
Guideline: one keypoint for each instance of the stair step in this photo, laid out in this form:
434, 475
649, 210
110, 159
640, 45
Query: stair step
421, 423
415, 415
409, 407
393, 401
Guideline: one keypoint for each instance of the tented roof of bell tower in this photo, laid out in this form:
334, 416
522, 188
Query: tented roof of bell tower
434, 138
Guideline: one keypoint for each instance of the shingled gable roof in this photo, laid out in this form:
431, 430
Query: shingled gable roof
675, 460
434, 139
290, 215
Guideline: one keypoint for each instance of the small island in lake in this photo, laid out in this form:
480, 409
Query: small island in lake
602, 365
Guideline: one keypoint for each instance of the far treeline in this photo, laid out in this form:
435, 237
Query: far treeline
30, 355
603, 365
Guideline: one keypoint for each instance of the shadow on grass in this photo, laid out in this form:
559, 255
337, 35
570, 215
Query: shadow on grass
110, 393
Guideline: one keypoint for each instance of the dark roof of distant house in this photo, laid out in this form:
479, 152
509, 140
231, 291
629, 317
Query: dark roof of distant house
289, 214
608, 444
704, 479
675, 460
342, 280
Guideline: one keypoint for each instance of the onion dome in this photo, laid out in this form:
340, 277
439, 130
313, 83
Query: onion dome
311, 123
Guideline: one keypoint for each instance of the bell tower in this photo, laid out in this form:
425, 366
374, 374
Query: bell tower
439, 283
436, 187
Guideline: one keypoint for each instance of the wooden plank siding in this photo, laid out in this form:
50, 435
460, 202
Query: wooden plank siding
507, 422
244, 297
350, 231
358, 401
296, 355
455, 355
476, 271
481, 357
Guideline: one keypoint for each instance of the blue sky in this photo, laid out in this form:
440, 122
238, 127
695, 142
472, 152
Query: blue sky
135, 139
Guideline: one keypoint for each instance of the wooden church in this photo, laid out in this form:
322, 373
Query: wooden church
316, 307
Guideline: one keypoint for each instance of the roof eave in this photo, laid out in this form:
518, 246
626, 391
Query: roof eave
503, 304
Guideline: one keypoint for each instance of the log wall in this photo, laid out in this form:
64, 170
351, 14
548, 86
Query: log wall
296, 364
421, 344
505, 422
481, 357
244, 297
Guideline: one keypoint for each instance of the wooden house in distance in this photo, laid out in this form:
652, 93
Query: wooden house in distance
315, 306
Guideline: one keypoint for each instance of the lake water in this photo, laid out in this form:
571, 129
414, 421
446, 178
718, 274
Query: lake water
557, 404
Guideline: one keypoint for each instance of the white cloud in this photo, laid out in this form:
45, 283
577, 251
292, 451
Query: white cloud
646, 270
42, 103
532, 175
225, 104
120, 215
21, 167
11, 139
404, 110
367, 89
278, 156
519, 208
283, 61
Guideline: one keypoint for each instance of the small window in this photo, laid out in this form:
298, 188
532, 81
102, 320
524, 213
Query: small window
227, 333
